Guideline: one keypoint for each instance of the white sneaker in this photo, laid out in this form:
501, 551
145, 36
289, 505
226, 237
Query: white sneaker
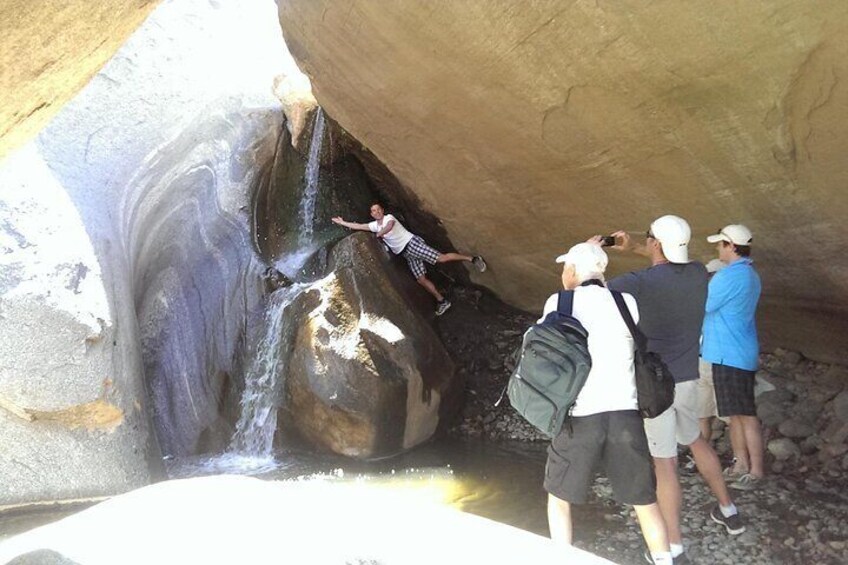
442, 307
479, 263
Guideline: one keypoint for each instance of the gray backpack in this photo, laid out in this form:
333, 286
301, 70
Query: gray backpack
552, 368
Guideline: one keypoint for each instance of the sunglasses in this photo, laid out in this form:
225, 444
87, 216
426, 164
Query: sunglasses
649, 235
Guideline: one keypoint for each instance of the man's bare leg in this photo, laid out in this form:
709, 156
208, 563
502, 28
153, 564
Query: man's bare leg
430, 287
448, 257
669, 497
653, 528
742, 464
559, 520
710, 468
754, 443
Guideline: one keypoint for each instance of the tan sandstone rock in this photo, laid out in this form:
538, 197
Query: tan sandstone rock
368, 376
50, 51
527, 126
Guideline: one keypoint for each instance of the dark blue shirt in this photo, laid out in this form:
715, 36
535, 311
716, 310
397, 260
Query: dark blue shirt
671, 299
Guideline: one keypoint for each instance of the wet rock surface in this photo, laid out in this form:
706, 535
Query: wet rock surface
798, 514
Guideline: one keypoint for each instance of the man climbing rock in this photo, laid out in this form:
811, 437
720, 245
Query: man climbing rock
413, 248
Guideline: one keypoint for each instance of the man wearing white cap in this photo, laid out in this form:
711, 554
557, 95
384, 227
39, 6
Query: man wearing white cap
671, 295
730, 344
605, 429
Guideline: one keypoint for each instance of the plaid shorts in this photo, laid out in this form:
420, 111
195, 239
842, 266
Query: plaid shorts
734, 390
416, 252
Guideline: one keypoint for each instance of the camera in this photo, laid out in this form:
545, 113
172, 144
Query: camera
608, 241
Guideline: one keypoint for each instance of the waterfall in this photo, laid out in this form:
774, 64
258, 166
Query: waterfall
254, 433
313, 169
255, 428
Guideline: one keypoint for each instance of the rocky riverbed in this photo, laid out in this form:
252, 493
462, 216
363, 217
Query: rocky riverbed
798, 515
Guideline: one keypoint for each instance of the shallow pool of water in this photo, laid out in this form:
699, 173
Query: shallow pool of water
501, 481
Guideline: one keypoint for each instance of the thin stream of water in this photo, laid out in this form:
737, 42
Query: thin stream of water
251, 448
255, 428
313, 170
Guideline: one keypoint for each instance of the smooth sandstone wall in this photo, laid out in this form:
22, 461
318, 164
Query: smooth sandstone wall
529, 126
127, 268
50, 51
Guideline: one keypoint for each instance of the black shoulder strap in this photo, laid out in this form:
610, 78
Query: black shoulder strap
638, 336
565, 304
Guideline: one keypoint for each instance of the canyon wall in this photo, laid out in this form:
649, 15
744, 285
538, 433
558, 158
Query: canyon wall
528, 126
127, 266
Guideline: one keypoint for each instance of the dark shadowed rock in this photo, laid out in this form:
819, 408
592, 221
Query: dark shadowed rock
796, 429
840, 406
770, 413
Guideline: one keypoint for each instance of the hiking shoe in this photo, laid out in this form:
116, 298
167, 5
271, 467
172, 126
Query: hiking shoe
442, 307
733, 524
479, 263
746, 482
731, 474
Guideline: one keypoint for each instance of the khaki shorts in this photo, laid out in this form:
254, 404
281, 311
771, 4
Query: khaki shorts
706, 391
678, 424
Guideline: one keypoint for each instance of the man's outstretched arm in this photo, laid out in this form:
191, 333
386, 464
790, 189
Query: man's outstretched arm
351, 225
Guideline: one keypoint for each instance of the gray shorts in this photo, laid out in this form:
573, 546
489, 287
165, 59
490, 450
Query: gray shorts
416, 252
611, 442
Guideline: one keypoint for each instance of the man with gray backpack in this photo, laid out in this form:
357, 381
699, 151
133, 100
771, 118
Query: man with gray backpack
604, 429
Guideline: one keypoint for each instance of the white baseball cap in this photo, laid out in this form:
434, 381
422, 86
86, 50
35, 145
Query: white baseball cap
736, 234
673, 233
587, 258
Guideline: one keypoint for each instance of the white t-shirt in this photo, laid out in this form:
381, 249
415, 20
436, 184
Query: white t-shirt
396, 238
611, 384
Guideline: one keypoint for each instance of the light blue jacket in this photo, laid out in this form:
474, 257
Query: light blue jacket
730, 330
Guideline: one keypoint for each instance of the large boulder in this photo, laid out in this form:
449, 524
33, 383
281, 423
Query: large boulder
529, 126
368, 376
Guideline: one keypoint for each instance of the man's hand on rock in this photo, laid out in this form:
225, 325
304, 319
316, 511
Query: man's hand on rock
338, 220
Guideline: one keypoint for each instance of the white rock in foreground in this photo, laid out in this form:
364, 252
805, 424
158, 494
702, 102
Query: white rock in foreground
229, 519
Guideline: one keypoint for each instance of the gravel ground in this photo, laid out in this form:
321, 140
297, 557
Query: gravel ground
798, 515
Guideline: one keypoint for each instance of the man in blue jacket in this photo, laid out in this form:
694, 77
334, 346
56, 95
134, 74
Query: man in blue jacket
730, 344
